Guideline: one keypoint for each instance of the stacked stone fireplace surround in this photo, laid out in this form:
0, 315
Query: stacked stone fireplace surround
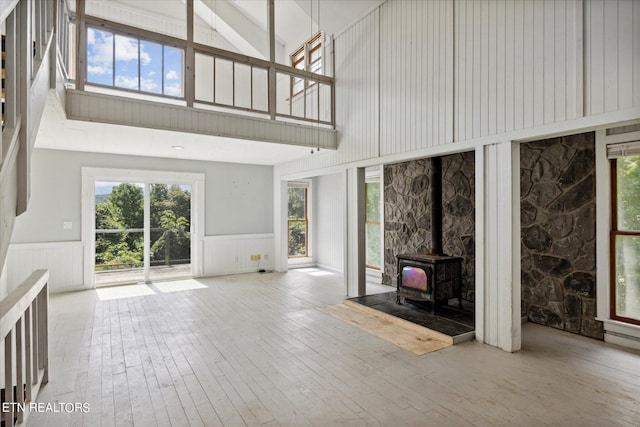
557, 226
407, 214
558, 204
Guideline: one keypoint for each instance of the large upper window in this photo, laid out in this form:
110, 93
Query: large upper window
625, 239
298, 223
307, 58
131, 63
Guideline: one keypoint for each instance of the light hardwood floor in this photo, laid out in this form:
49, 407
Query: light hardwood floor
255, 350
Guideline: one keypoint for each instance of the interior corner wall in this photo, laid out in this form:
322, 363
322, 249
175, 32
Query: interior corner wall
238, 198
329, 195
407, 213
558, 203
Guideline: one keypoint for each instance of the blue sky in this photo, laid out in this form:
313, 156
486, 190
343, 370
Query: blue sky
129, 56
106, 187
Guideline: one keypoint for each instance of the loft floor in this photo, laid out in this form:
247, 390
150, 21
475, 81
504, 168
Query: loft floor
254, 349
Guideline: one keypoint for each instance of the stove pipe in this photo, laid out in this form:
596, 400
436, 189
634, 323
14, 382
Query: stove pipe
436, 206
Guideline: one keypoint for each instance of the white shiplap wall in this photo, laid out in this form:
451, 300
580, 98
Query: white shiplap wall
64, 260
329, 220
416, 78
230, 254
612, 55
102, 108
517, 65
498, 250
357, 100
454, 71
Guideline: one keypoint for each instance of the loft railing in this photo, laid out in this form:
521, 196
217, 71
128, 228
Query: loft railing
24, 332
219, 78
229, 80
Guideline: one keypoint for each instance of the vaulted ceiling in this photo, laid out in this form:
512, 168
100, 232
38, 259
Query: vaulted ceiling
239, 25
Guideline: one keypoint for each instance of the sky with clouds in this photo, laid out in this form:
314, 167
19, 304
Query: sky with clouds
131, 55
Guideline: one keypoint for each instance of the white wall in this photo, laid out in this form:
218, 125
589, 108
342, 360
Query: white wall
239, 198
329, 198
238, 212
415, 76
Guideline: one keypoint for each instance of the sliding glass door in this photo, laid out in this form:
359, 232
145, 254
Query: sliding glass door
142, 232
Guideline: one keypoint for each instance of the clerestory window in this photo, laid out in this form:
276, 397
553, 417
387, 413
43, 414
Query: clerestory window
131, 63
308, 57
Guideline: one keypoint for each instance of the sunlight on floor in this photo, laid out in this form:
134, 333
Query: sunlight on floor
140, 290
125, 291
315, 272
178, 285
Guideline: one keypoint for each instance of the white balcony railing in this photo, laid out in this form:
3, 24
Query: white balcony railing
25, 337
218, 78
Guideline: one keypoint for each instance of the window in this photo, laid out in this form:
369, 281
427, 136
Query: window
307, 58
130, 63
625, 239
4, 75
298, 225
373, 237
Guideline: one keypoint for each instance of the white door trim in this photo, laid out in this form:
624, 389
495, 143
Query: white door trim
89, 177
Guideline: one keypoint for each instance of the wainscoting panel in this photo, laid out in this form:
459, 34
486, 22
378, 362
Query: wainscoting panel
232, 254
64, 260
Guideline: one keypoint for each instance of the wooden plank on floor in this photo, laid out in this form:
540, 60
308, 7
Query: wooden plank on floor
417, 342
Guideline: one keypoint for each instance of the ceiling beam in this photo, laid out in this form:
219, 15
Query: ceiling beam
239, 29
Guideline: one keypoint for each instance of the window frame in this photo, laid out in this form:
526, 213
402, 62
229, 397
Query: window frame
373, 180
615, 232
303, 54
115, 32
305, 220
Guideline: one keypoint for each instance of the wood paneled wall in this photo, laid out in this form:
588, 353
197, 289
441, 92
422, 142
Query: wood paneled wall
64, 260
463, 70
517, 65
329, 209
612, 55
416, 66
357, 56
231, 254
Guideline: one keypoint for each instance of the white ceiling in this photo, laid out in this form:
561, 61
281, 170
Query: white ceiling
296, 21
58, 133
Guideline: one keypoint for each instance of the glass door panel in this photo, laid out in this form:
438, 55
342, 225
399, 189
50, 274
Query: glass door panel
119, 233
170, 231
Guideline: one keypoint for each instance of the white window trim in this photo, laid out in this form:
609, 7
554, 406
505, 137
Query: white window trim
376, 174
89, 177
616, 332
309, 260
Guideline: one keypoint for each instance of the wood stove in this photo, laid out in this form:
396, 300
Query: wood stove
433, 277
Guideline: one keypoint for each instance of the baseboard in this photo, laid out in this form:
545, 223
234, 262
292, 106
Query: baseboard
330, 268
238, 271
622, 340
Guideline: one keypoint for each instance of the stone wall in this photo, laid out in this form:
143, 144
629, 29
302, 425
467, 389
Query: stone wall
407, 213
557, 190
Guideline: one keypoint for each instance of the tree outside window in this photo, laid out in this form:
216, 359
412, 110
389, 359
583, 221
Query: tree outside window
298, 225
625, 239
372, 225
